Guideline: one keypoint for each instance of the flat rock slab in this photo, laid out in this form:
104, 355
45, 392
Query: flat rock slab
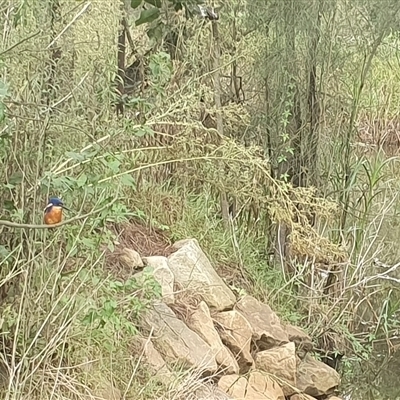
176, 342
316, 378
235, 333
265, 324
155, 362
302, 341
302, 397
211, 392
281, 363
163, 275
201, 322
193, 270
258, 386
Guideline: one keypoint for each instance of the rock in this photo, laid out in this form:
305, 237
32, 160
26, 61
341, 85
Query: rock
262, 384
201, 323
302, 341
281, 363
302, 396
176, 342
155, 362
108, 392
316, 378
235, 333
234, 385
163, 275
266, 326
211, 392
259, 386
131, 259
193, 270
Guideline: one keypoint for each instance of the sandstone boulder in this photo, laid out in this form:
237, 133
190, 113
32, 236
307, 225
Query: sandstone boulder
301, 396
302, 341
201, 322
259, 386
131, 259
281, 363
176, 342
262, 384
163, 275
154, 361
234, 385
316, 378
210, 392
235, 333
267, 330
193, 270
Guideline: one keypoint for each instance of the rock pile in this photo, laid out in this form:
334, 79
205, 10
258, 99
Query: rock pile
240, 342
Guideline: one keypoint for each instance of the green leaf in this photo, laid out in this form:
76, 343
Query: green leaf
75, 156
155, 3
81, 181
148, 16
3, 89
9, 205
136, 3
90, 317
90, 243
16, 178
4, 252
114, 165
156, 32
2, 112
127, 180
143, 131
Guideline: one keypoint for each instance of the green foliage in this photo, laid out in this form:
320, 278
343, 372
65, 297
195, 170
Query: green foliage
120, 306
289, 156
3, 95
148, 16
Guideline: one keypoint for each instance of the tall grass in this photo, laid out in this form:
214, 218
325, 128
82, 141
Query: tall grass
67, 323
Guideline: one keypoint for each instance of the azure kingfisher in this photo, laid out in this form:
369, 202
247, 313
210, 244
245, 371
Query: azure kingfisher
53, 211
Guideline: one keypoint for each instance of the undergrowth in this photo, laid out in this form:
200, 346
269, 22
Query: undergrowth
69, 319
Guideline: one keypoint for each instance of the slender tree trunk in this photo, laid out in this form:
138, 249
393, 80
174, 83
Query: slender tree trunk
121, 62
217, 99
313, 105
55, 54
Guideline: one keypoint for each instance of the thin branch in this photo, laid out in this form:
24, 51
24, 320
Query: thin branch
17, 225
84, 8
20, 42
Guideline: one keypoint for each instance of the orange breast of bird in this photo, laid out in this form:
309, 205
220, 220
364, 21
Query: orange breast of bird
53, 216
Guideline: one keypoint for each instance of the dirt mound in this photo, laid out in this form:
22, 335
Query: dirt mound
147, 241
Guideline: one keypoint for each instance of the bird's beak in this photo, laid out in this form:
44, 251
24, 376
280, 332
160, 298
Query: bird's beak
66, 208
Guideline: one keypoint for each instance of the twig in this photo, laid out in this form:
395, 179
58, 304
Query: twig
20, 42
84, 8
42, 226
67, 96
148, 340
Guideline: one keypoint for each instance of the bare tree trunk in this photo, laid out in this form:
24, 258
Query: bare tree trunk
313, 104
121, 62
217, 99
55, 55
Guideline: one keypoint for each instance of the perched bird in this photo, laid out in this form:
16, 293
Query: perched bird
54, 211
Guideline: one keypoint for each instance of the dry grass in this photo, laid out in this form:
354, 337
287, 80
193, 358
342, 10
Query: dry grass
77, 147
